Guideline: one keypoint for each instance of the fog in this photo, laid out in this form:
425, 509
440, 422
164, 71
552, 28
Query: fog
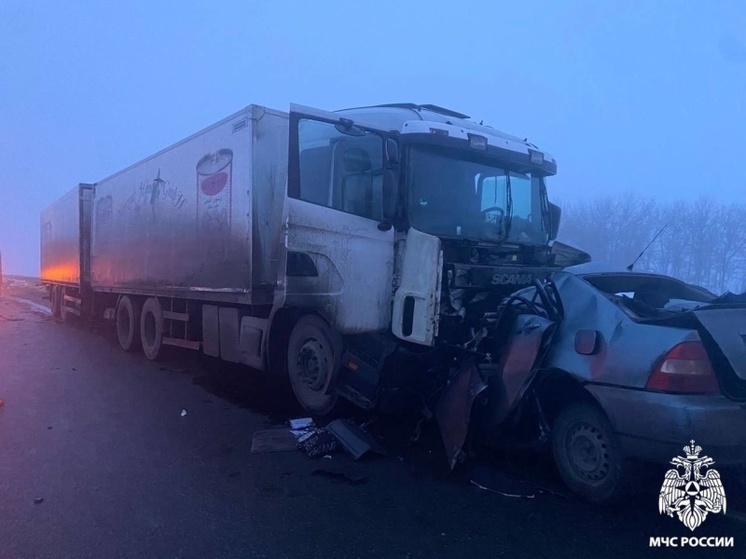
628, 96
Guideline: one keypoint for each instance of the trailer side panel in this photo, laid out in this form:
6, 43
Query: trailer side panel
179, 223
64, 238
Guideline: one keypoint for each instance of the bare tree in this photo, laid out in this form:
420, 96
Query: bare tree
704, 241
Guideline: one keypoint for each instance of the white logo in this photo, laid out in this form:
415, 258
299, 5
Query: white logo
692, 495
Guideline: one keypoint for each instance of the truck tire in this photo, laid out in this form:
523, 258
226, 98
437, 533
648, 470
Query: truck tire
151, 328
128, 321
587, 453
313, 361
54, 300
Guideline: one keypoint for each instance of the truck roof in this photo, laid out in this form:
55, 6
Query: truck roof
392, 116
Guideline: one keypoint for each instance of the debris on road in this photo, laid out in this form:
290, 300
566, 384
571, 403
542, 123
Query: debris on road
173, 369
347, 477
318, 442
38, 500
2, 402
515, 495
354, 439
520, 485
301, 423
183, 413
273, 440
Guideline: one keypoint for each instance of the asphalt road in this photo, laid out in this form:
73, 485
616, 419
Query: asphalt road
99, 435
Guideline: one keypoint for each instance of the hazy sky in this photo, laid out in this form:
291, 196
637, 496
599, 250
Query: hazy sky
628, 95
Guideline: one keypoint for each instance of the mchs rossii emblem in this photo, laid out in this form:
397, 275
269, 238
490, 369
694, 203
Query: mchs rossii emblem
688, 492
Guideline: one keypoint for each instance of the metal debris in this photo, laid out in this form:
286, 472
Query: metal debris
353, 438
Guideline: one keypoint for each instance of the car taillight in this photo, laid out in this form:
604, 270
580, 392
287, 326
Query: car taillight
685, 368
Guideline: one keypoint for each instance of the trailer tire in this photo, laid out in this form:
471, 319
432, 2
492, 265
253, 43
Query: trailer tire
54, 300
127, 322
313, 360
151, 328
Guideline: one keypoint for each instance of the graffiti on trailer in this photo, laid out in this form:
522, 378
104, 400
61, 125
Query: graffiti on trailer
148, 192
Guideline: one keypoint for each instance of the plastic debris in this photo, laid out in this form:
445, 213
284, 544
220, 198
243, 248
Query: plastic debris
318, 443
353, 438
38, 500
301, 423
183, 413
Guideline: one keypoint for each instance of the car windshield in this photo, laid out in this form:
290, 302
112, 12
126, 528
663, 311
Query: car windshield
474, 198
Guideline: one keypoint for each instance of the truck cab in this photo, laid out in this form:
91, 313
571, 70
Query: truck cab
409, 221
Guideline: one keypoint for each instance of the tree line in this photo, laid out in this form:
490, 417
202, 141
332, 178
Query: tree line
704, 241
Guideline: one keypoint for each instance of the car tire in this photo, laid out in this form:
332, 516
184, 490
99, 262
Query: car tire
587, 453
128, 322
151, 328
313, 361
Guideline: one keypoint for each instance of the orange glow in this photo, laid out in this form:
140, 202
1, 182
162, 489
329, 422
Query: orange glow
68, 272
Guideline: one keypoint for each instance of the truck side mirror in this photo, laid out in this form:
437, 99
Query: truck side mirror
555, 214
392, 151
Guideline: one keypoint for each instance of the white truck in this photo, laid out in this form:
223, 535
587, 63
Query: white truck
327, 248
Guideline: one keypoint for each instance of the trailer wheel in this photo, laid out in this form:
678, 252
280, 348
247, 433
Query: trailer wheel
54, 300
128, 319
151, 328
313, 360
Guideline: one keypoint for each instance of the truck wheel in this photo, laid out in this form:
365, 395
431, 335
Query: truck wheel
313, 360
128, 319
587, 454
54, 300
151, 328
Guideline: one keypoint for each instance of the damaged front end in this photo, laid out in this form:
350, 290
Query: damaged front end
471, 324
496, 368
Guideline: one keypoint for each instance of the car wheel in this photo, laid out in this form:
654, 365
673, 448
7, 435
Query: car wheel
313, 361
587, 454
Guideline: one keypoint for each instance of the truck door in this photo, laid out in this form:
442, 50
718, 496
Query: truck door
340, 250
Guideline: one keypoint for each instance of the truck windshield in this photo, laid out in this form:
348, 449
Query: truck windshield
474, 198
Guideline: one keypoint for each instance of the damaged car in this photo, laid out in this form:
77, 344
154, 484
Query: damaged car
634, 366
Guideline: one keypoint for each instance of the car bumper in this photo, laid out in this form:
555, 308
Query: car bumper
656, 426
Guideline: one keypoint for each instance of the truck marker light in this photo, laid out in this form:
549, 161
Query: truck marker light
477, 142
536, 157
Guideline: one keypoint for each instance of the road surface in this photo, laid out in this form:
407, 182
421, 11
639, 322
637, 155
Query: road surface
97, 460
